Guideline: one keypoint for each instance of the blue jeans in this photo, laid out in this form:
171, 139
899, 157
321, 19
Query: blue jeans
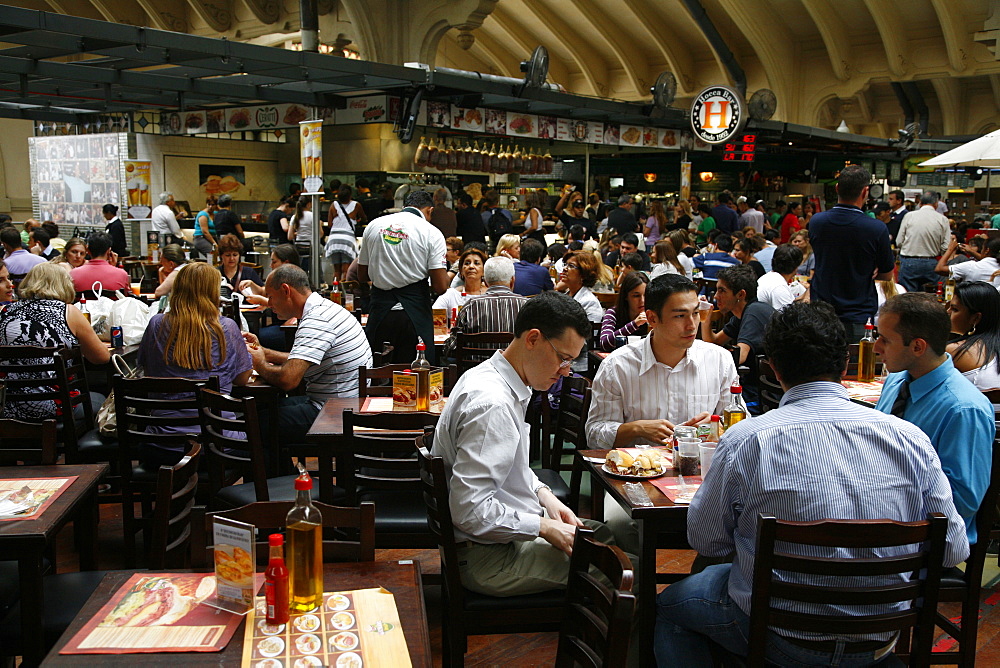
697, 611
915, 271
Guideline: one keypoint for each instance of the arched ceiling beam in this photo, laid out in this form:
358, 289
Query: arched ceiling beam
835, 36
166, 14
596, 74
469, 59
892, 29
268, 11
951, 21
516, 34
949, 95
216, 13
775, 55
81, 8
678, 60
995, 88
120, 11
507, 63
632, 59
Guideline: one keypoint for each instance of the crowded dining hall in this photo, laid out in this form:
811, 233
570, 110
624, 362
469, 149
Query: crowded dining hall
325, 344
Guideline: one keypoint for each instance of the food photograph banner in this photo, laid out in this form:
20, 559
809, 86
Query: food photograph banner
137, 188
311, 155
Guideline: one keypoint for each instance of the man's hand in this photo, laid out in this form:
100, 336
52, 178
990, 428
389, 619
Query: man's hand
698, 419
655, 431
556, 509
559, 534
251, 340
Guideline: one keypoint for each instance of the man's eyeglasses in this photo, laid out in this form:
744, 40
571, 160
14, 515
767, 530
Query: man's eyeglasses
563, 363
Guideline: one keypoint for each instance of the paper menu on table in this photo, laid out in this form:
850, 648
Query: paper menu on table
25, 499
673, 489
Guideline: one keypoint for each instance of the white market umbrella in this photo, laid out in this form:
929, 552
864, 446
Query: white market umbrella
982, 152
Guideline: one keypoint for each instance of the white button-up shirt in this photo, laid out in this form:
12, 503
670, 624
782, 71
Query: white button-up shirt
631, 385
923, 233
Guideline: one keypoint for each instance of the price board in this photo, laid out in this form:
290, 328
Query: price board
743, 150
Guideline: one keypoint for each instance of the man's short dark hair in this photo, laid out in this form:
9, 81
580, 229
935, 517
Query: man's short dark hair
806, 342
556, 252
291, 275
724, 198
772, 234
704, 208
853, 179
419, 199
98, 243
362, 183
920, 317
225, 200
465, 198
724, 242
786, 259
633, 260
630, 238
478, 245
992, 247
661, 288
574, 246
51, 229
41, 237
532, 250
552, 313
110, 209
5, 218
294, 188
740, 277
9, 236
880, 207
898, 194
578, 232
780, 203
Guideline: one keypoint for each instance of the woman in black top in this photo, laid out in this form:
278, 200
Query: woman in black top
233, 273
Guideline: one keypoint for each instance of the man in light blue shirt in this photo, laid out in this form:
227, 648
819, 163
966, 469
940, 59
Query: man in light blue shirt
815, 457
925, 388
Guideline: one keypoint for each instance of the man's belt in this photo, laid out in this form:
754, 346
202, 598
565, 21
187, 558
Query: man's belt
879, 647
918, 257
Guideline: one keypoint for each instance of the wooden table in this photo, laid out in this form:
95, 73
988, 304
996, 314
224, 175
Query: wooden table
863, 393
401, 578
661, 525
27, 541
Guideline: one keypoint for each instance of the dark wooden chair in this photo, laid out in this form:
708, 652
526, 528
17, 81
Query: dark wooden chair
140, 404
175, 491
375, 462
465, 613
473, 349
596, 629
926, 540
349, 533
770, 390
965, 586
28, 442
607, 299
239, 454
565, 435
83, 443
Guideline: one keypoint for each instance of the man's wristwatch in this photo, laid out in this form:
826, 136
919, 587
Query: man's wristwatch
541, 487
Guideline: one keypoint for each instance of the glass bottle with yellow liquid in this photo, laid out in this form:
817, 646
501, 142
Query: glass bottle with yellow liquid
866, 354
304, 558
422, 368
736, 410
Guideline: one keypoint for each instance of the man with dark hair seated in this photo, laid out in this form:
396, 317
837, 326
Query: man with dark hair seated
925, 388
102, 267
507, 521
630, 244
775, 287
712, 263
819, 456
530, 278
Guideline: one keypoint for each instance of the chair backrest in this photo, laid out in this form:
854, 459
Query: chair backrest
595, 631
175, 490
382, 357
349, 533
866, 581
607, 299
220, 413
986, 522
570, 423
472, 349
145, 406
376, 452
434, 486
770, 390
71, 375
27, 442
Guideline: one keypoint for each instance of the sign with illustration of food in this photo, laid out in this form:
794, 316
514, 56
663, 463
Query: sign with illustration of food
467, 118
24, 499
404, 391
137, 184
234, 550
436, 380
311, 155
221, 179
440, 316
631, 136
194, 122
522, 125
352, 629
157, 612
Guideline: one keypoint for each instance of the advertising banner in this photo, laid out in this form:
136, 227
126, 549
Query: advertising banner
311, 155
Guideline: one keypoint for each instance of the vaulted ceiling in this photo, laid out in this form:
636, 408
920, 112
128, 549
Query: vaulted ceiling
827, 61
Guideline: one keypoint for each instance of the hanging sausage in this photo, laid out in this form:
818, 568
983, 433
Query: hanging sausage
420, 157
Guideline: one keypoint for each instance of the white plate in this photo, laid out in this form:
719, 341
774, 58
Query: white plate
623, 476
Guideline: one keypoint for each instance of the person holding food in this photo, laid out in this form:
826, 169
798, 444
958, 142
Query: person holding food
514, 535
204, 228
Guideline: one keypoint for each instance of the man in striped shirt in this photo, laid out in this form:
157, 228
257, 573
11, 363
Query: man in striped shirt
329, 347
817, 456
494, 311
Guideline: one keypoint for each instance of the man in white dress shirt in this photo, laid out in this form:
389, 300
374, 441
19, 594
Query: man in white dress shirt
515, 535
923, 236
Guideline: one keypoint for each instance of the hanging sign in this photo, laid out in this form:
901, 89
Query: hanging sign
718, 113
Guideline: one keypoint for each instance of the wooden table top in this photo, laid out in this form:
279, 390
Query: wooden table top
402, 579
662, 505
330, 421
53, 517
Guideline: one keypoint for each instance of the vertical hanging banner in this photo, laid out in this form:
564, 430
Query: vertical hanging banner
685, 180
311, 155
137, 182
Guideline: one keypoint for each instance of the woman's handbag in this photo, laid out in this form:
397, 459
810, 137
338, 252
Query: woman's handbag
107, 423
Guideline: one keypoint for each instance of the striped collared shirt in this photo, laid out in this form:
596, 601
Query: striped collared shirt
494, 311
818, 456
631, 385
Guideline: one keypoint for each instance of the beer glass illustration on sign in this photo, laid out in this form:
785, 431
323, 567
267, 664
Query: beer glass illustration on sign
311, 136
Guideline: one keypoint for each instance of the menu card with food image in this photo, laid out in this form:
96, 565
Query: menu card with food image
352, 629
157, 612
440, 316
436, 392
235, 554
680, 490
404, 391
26, 499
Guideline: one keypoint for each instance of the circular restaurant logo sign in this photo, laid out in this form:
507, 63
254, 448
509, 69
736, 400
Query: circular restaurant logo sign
717, 114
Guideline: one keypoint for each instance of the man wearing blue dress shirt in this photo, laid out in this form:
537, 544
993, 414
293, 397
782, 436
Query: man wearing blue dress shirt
925, 388
874, 466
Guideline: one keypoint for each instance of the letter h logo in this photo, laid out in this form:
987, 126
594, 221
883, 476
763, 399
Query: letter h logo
708, 113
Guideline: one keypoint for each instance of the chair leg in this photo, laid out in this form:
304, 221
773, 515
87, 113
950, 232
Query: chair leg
970, 630
128, 524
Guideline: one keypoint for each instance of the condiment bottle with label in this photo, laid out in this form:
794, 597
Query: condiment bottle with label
305, 547
866, 354
736, 410
709, 431
336, 294
422, 368
276, 582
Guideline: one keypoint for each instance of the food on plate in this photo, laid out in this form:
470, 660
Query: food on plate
646, 463
194, 121
338, 602
160, 601
272, 646
473, 117
307, 661
239, 119
344, 640
269, 629
349, 660
632, 136
669, 138
268, 663
342, 621
522, 125
306, 623
294, 115
233, 564
308, 644
229, 184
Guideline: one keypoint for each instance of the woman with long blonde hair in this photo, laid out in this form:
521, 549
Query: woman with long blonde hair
192, 341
